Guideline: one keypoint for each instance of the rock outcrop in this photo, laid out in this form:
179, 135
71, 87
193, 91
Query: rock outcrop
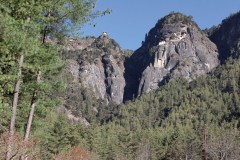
91, 75
174, 48
227, 37
97, 64
114, 79
99, 73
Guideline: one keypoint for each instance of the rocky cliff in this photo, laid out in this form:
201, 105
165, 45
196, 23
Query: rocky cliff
97, 64
175, 47
227, 37
99, 73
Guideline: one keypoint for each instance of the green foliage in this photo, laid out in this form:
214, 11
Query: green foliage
175, 17
26, 27
15, 39
57, 18
175, 121
179, 121
61, 136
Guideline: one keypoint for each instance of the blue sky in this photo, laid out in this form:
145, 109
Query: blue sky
130, 20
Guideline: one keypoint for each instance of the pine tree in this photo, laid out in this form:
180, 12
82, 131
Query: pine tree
28, 22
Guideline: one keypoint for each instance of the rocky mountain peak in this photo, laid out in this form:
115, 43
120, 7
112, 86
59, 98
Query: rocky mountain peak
104, 35
73, 44
176, 17
170, 26
175, 47
104, 38
106, 44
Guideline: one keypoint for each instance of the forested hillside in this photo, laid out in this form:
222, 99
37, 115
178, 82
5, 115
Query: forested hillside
197, 120
68, 98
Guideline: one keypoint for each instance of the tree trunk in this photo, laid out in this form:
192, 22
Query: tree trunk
45, 30
31, 114
44, 35
14, 109
33, 104
204, 150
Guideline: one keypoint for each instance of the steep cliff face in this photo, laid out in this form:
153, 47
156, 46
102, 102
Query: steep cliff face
227, 37
98, 64
99, 72
91, 75
175, 47
114, 79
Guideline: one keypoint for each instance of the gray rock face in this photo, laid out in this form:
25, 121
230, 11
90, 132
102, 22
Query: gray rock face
115, 81
92, 76
72, 67
98, 67
151, 77
171, 51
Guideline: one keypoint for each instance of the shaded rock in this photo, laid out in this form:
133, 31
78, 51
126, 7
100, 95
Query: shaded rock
115, 81
227, 37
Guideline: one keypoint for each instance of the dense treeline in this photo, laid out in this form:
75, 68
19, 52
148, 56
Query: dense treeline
197, 120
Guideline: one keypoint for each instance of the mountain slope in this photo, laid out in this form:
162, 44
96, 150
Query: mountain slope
175, 47
227, 37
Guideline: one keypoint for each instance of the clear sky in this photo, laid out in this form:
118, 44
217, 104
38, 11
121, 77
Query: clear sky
130, 20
